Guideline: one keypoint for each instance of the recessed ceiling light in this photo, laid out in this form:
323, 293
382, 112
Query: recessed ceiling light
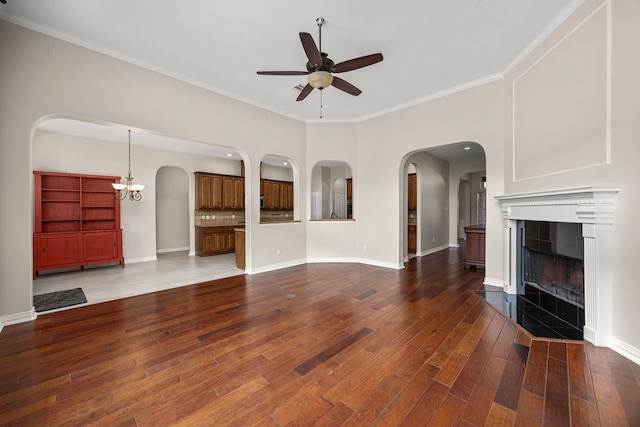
467, 148
285, 163
229, 155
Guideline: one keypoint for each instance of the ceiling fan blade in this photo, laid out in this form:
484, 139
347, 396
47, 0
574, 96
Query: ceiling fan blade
283, 73
354, 64
305, 91
310, 48
345, 86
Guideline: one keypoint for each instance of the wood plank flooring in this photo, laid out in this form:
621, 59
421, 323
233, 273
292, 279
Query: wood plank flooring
317, 344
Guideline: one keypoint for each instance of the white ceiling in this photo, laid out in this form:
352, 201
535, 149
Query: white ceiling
430, 47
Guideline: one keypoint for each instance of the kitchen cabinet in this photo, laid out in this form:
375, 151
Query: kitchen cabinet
271, 195
76, 221
240, 248
215, 240
349, 189
277, 194
413, 191
219, 191
475, 246
412, 241
233, 192
286, 195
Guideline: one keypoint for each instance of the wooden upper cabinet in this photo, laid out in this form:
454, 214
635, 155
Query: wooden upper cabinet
349, 188
413, 191
277, 194
216, 192
233, 192
219, 191
286, 195
208, 191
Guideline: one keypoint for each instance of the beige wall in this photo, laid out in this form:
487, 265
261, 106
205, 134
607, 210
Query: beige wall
588, 133
533, 140
79, 83
433, 202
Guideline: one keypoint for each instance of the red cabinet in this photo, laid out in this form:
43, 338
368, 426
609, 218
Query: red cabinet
77, 221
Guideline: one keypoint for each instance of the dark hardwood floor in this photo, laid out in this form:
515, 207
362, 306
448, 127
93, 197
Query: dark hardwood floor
318, 344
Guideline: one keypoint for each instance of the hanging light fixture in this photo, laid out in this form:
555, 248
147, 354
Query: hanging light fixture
133, 190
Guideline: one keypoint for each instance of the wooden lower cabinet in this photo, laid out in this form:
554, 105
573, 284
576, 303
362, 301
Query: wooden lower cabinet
475, 242
215, 240
240, 248
76, 249
412, 240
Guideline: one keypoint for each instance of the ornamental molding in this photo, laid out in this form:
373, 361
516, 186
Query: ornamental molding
583, 204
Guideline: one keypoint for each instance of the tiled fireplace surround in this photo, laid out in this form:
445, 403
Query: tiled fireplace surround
593, 208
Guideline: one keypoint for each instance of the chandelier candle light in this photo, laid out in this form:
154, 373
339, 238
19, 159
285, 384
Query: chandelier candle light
133, 190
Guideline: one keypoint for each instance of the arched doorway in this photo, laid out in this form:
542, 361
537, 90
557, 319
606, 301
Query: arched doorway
436, 215
172, 210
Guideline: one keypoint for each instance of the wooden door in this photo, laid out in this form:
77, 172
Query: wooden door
413, 191
60, 249
412, 241
238, 193
100, 245
228, 193
284, 196
203, 191
216, 192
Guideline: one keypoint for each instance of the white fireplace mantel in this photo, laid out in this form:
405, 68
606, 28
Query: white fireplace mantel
593, 208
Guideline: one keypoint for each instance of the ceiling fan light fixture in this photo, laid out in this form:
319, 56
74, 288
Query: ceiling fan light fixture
320, 79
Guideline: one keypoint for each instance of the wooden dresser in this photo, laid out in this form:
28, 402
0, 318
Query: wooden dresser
475, 246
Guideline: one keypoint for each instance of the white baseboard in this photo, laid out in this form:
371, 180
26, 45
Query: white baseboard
625, 349
434, 250
12, 319
142, 259
377, 263
492, 281
167, 250
272, 267
320, 260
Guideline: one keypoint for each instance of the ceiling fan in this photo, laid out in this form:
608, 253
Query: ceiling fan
321, 69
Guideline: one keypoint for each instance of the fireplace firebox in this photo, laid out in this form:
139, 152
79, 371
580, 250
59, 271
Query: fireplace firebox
552, 275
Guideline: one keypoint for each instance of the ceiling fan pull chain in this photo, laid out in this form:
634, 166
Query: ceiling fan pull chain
321, 102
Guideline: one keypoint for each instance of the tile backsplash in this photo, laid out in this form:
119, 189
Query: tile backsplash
210, 218
274, 215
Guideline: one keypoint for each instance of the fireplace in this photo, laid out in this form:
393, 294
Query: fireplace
550, 255
532, 273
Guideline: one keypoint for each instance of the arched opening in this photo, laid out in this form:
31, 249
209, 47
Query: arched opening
331, 190
277, 189
161, 221
449, 188
172, 210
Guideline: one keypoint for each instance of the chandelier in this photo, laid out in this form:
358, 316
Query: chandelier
129, 188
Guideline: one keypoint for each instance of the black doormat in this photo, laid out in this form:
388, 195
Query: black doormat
59, 299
